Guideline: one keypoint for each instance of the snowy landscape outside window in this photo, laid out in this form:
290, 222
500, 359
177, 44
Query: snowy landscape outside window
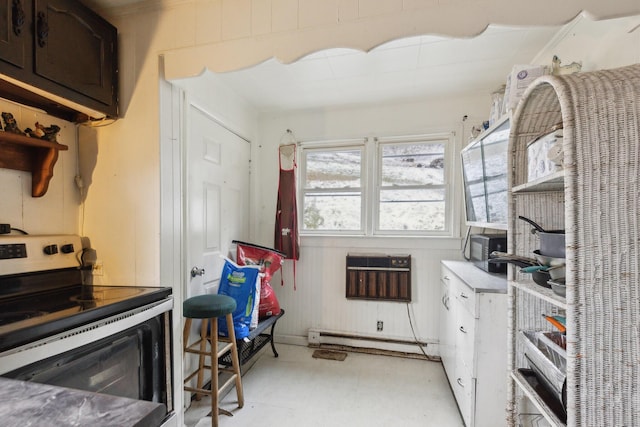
376, 186
411, 188
332, 188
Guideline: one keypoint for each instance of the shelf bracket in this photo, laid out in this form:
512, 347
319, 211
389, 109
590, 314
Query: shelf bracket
38, 156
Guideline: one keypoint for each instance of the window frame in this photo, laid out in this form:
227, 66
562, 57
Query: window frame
371, 179
447, 139
334, 145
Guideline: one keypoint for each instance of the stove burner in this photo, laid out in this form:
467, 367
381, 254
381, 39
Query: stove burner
17, 316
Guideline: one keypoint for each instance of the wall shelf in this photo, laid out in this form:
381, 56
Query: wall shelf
38, 156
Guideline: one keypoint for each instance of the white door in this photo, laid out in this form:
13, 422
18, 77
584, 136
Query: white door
217, 197
217, 205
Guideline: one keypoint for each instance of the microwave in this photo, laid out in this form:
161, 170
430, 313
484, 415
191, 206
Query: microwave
481, 246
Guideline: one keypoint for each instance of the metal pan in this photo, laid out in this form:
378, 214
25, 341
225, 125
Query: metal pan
552, 242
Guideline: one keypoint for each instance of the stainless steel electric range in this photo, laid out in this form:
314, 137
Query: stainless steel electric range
57, 328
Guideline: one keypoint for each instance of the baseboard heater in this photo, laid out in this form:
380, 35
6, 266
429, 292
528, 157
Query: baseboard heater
396, 346
378, 277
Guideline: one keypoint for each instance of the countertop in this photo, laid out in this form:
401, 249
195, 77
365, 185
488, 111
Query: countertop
24, 404
478, 280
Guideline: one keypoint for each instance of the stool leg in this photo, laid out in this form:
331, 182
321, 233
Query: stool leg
214, 372
185, 333
235, 360
185, 338
201, 356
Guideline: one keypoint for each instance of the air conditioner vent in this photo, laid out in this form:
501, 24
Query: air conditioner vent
378, 277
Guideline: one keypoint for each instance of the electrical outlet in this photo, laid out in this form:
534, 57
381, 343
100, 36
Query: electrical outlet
379, 325
98, 268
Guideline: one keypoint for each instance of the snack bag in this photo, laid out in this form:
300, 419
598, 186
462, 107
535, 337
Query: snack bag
238, 282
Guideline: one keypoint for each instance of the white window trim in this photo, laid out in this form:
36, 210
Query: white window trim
449, 147
360, 143
370, 181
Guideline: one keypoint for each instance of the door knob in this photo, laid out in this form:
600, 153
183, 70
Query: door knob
195, 271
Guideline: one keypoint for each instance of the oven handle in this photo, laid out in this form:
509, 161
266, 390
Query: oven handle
81, 336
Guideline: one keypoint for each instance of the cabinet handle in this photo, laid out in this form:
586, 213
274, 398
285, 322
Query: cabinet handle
445, 277
43, 29
17, 17
463, 295
463, 330
444, 302
459, 381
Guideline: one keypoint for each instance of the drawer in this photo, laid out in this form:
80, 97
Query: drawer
446, 276
464, 390
465, 296
465, 340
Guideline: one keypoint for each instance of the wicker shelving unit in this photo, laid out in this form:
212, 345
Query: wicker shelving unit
596, 199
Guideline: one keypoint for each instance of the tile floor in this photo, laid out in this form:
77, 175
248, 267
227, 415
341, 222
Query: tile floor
296, 390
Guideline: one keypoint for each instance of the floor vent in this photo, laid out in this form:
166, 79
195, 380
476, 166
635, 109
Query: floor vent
379, 277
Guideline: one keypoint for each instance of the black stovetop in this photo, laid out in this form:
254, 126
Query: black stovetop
32, 308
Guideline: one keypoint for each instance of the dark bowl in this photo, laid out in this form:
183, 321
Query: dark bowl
542, 278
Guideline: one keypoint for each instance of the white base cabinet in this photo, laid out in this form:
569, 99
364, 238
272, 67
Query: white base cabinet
473, 341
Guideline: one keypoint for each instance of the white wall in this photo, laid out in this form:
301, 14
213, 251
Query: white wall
57, 212
319, 301
596, 44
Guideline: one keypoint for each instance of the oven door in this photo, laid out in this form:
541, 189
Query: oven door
128, 355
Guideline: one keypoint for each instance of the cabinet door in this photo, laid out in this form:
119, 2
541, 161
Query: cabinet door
15, 33
75, 48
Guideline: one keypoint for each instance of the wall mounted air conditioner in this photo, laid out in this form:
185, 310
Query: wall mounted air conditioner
378, 277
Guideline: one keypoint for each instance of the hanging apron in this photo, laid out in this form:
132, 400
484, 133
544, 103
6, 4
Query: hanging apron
286, 229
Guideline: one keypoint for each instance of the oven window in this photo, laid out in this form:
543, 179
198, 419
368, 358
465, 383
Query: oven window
127, 364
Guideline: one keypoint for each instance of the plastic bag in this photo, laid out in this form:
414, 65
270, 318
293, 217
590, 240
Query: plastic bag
238, 282
269, 261
269, 305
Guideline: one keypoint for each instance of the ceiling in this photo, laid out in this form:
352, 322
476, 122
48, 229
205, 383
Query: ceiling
398, 71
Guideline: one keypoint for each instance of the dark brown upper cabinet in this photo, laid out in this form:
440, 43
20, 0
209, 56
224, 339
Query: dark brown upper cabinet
63, 48
15, 40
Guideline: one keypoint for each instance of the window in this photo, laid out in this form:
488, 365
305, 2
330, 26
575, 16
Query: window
386, 186
332, 187
411, 189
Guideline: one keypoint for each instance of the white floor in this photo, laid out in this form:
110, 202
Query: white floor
296, 390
